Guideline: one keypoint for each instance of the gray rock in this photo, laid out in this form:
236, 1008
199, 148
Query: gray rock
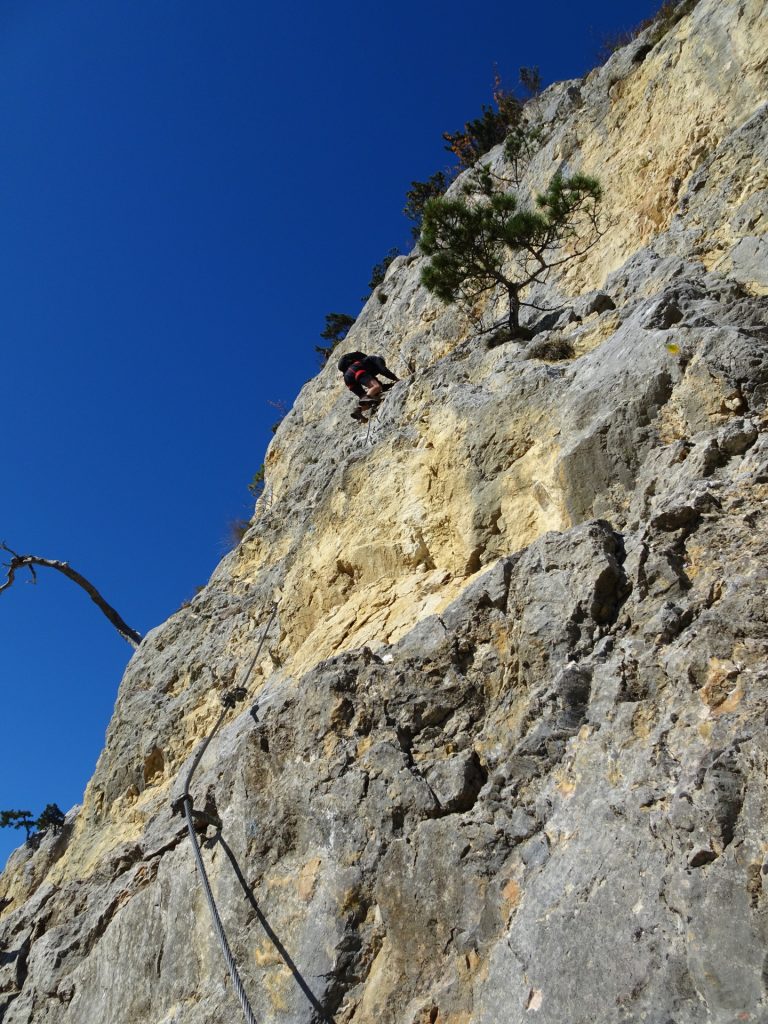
456, 782
526, 775
599, 303
736, 437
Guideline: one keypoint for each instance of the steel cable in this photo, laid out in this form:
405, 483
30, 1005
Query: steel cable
188, 813
229, 701
234, 975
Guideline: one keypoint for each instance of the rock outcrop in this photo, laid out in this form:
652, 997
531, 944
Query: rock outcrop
509, 756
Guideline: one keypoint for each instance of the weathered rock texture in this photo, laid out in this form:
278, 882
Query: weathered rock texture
511, 753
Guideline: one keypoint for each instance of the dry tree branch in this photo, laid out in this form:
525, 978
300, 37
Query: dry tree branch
30, 561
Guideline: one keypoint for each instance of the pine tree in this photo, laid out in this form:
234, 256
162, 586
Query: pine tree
17, 819
337, 327
50, 819
530, 80
483, 240
483, 133
520, 144
419, 195
256, 486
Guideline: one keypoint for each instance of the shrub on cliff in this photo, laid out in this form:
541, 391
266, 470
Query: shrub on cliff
553, 349
419, 194
256, 486
483, 133
531, 81
519, 146
483, 241
505, 123
337, 326
667, 16
51, 819
236, 530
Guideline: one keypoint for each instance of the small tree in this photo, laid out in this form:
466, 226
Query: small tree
483, 240
50, 820
419, 194
337, 327
530, 81
483, 133
17, 819
520, 144
52, 817
256, 486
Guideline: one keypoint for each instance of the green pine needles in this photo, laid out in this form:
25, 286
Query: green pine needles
337, 326
419, 194
256, 486
51, 819
483, 241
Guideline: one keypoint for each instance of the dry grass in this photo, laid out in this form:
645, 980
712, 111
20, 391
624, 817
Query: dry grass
554, 349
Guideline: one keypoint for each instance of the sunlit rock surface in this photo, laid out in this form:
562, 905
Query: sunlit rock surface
510, 757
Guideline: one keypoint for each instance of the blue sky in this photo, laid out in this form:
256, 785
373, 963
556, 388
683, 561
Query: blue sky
186, 189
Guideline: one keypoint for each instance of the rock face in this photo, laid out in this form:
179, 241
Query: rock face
509, 759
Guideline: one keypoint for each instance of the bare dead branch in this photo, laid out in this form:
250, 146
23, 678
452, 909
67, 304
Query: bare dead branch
30, 561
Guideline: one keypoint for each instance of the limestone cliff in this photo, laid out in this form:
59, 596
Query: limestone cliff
509, 758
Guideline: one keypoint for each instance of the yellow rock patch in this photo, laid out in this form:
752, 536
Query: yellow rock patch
308, 878
721, 691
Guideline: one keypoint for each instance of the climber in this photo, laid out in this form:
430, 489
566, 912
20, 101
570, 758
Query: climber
361, 377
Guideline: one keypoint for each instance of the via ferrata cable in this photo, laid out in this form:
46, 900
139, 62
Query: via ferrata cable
229, 700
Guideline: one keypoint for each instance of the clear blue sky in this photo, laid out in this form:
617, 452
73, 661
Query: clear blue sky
186, 189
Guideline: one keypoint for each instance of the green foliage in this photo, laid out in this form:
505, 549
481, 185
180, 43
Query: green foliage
504, 122
256, 486
530, 81
337, 326
419, 195
379, 272
520, 145
565, 196
51, 819
483, 133
17, 819
478, 137
483, 240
